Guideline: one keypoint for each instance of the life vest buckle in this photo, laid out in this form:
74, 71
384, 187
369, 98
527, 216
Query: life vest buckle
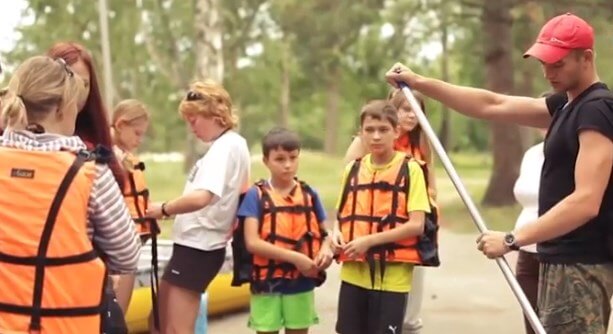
85, 154
140, 166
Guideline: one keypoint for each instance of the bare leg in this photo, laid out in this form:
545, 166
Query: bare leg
162, 305
181, 317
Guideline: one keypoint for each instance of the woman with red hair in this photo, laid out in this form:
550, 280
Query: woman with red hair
93, 127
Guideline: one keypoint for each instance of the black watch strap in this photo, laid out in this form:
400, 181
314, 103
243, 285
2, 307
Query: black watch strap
163, 209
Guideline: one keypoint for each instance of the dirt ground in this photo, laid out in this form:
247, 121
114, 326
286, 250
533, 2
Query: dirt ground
466, 295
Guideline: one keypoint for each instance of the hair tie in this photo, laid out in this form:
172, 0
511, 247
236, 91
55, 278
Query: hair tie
35, 128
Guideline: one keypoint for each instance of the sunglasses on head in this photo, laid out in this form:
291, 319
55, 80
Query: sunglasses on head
66, 67
193, 96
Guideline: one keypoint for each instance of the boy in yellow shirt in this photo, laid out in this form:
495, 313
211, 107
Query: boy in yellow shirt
380, 228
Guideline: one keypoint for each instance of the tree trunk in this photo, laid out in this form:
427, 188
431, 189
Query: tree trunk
527, 134
209, 60
284, 101
525, 30
332, 112
445, 129
505, 138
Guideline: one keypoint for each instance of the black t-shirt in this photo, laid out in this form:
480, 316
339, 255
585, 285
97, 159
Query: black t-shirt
588, 243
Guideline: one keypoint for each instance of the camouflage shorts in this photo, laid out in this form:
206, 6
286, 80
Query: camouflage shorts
575, 298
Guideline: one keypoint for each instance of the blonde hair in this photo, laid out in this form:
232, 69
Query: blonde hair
130, 110
38, 85
209, 99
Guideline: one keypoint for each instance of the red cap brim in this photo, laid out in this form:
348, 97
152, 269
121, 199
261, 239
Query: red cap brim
546, 53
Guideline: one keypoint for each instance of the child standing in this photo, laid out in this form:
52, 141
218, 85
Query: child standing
130, 122
284, 231
411, 140
380, 228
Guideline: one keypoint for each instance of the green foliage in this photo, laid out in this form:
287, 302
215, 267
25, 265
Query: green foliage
153, 56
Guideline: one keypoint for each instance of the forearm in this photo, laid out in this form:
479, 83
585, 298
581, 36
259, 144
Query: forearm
472, 102
190, 202
267, 250
566, 216
409, 229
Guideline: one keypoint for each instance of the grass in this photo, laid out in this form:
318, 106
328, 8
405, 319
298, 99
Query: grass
323, 172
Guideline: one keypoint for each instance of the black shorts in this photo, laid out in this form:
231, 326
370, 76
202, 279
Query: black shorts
363, 311
192, 268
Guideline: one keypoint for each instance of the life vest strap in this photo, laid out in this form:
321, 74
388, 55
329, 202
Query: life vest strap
36, 310
140, 166
382, 186
295, 209
374, 219
155, 281
383, 252
306, 237
133, 193
52, 312
49, 261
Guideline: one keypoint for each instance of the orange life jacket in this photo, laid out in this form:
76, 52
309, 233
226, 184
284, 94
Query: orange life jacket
136, 195
374, 202
288, 222
403, 144
51, 279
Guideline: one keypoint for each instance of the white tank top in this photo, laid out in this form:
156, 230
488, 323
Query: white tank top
527, 188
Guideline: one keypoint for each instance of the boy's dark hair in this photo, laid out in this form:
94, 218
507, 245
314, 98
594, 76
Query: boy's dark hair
380, 110
282, 138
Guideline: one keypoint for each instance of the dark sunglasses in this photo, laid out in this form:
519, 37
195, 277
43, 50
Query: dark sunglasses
66, 67
193, 96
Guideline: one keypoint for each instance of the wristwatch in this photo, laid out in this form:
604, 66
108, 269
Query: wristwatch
509, 241
164, 212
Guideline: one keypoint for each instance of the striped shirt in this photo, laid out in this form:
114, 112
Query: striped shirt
109, 225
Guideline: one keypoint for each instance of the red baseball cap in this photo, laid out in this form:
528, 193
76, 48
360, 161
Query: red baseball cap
559, 36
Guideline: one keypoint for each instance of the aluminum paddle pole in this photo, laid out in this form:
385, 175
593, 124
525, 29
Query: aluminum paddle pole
470, 205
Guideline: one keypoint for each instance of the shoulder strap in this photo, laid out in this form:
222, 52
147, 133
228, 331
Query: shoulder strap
353, 172
403, 174
307, 190
265, 197
80, 159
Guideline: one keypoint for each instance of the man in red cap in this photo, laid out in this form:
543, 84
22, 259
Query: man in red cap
574, 230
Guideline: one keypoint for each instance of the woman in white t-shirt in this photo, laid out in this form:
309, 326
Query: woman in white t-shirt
206, 211
526, 193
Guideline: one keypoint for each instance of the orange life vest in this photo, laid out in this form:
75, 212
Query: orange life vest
136, 195
403, 144
374, 202
51, 279
289, 222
